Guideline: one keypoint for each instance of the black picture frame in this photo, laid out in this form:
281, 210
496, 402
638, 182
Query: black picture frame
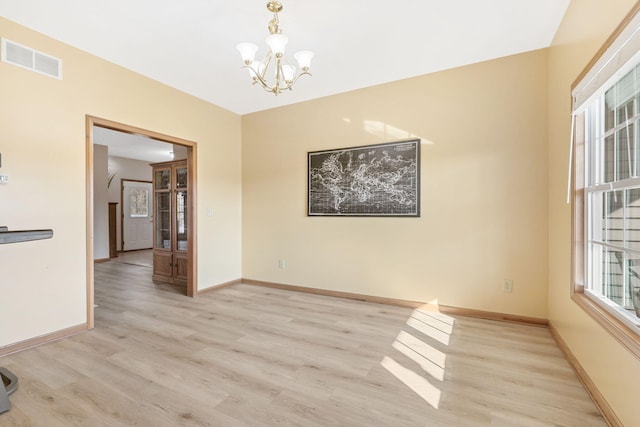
381, 180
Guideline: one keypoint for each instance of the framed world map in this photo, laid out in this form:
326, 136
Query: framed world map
371, 180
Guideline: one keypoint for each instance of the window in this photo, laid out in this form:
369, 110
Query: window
606, 185
139, 203
612, 198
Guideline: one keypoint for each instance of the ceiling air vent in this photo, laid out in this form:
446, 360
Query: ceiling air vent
25, 57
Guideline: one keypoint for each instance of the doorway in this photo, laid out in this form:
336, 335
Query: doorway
191, 153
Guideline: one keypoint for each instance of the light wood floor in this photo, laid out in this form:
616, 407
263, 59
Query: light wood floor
143, 258
252, 356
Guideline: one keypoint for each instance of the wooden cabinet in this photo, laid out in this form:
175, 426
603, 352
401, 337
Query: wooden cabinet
113, 239
170, 225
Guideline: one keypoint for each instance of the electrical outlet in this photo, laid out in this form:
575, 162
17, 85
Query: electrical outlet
281, 264
507, 285
4, 179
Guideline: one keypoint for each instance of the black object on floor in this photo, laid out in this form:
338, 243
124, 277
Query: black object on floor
8, 385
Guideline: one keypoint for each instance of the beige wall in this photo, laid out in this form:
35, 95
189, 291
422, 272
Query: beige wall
616, 372
42, 141
484, 190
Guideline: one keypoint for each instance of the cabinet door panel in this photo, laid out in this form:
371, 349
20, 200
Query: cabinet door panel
162, 264
182, 267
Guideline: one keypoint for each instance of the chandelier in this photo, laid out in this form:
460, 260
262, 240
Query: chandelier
284, 73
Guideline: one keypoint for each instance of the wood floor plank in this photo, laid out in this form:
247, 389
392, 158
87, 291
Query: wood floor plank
254, 356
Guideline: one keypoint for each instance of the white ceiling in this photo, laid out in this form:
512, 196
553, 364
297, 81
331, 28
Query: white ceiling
138, 147
190, 44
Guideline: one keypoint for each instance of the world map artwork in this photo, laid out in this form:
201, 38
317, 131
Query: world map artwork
373, 180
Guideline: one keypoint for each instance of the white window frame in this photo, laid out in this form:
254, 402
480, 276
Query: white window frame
594, 236
619, 55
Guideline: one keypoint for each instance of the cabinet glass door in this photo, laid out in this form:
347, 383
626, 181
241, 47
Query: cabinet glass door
181, 220
181, 177
163, 220
163, 179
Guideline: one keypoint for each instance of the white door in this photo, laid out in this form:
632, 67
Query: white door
137, 215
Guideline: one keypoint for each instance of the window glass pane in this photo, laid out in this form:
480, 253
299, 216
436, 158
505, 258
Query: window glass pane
609, 159
612, 275
595, 227
613, 218
633, 280
594, 268
632, 219
624, 149
635, 149
625, 111
625, 93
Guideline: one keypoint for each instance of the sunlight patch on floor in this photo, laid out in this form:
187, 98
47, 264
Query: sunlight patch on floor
429, 330
420, 385
432, 361
436, 326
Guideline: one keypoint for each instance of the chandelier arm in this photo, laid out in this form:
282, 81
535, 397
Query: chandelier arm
302, 73
276, 88
257, 77
266, 62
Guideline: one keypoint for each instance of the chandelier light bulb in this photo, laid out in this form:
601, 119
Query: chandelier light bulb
288, 71
304, 59
247, 51
277, 43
